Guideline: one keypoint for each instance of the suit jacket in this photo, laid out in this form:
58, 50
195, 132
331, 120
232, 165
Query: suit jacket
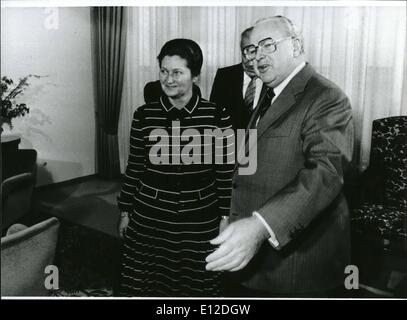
153, 92
304, 144
227, 90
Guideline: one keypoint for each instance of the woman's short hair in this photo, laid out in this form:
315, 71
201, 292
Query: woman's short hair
186, 49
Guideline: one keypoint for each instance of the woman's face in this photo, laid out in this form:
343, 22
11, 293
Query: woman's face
175, 77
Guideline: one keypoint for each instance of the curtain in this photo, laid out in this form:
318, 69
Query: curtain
361, 49
109, 47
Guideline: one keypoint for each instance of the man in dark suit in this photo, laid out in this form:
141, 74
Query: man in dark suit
289, 221
237, 87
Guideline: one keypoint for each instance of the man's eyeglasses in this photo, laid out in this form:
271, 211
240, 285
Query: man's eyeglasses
268, 45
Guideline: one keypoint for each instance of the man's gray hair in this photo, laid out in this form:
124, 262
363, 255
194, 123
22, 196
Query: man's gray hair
288, 28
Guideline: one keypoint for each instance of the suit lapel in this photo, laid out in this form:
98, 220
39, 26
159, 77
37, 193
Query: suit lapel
280, 106
286, 100
283, 103
262, 96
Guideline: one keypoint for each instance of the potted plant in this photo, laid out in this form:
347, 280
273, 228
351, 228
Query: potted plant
10, 107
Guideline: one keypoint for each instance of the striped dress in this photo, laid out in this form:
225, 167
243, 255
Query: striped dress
174, 206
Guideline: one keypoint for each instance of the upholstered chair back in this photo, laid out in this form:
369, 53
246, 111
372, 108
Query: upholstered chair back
389, 156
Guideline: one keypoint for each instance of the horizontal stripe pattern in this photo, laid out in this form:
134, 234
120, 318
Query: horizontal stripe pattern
174, 208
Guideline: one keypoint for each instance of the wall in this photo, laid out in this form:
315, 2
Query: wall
56, 44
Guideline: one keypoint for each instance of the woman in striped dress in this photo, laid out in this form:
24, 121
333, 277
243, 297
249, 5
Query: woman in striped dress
172, 202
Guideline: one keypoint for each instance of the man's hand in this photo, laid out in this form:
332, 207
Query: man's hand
238, 243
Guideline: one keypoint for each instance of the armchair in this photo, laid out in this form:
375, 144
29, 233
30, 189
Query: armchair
25, 252
379, 223
16, 194
383, 212
17, 186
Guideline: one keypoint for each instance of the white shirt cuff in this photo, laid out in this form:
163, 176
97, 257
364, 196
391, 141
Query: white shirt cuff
272, 239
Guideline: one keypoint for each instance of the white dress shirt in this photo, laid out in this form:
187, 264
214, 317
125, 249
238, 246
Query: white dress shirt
259, 84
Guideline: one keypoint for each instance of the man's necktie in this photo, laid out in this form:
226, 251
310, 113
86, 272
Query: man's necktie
261, 110
249, 95
257, 114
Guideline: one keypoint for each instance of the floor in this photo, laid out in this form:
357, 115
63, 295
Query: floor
88, 247
382, 271
89, 202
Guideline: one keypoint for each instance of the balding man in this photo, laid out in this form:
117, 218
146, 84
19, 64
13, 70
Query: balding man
237, 87
289, 230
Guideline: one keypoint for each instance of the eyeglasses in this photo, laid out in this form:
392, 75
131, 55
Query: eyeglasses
176, 74
268, 45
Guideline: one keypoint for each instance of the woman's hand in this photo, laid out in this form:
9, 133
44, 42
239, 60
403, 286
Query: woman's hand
123, 223
224, 222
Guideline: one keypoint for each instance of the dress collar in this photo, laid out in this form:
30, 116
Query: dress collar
189, 107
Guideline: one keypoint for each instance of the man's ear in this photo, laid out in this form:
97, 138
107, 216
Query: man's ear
296, 48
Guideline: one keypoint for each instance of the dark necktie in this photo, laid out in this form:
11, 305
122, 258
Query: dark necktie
257, 114
249, 95
262, 108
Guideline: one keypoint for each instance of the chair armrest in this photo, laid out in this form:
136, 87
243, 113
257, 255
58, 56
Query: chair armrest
23, 235
24, 257
16, 182
16, 197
